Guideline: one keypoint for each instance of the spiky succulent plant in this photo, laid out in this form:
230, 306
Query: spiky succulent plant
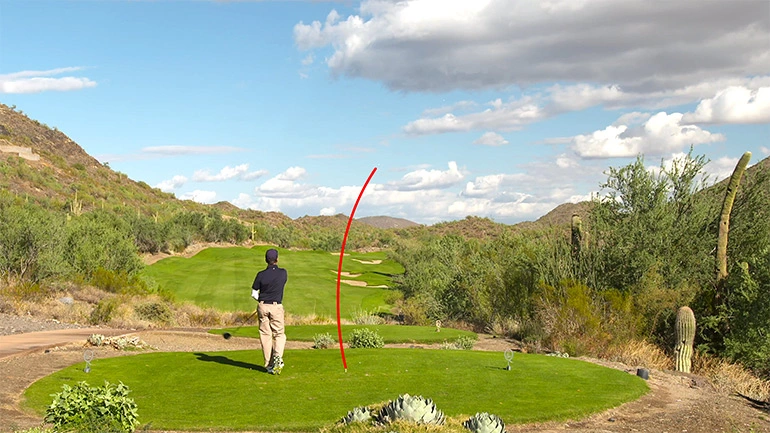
485, 423
359, 414
411, 408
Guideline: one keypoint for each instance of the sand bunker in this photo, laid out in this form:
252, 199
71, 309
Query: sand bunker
373, 262
348, 274
362, 284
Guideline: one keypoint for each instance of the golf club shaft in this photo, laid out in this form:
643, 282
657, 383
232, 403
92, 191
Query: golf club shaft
245, 321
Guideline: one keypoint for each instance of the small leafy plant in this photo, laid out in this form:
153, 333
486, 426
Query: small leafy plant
366, 338
323, 341
85, 408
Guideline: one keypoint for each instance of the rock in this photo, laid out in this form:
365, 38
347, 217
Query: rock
66, 300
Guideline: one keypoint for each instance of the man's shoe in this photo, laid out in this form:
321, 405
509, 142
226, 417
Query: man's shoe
270, 370
277, 365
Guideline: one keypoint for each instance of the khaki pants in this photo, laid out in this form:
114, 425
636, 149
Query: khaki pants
271, 333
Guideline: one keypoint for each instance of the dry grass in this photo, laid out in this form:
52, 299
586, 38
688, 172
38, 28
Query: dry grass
640, 354
731, 378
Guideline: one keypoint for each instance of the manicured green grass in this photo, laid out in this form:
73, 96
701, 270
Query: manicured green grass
222, 278
389, 333
228, 391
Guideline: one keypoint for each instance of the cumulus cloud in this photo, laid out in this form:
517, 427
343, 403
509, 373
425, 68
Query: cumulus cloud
444, 195
41, 81
429, 179
436, 45
491, 139
501, 116
240, 172
188, 150
735, 104
172, 184
746, 102
721, 168
200, 196
662, 133
285, 185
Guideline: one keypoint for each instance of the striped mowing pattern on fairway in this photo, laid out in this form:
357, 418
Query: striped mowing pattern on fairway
222, 278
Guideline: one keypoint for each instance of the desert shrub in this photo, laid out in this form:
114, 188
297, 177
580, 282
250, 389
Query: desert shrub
323, 341
363, 317
463, 342
27, 291
93, 409
117, 281
157, 312
104, 311
32, 243
638, 353
366, 338
38, 429
100, 239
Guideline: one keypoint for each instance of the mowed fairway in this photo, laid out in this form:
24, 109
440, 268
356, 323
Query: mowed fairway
222, 278
228, 391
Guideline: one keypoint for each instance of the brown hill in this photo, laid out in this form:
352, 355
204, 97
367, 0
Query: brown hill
44, 165
386, 222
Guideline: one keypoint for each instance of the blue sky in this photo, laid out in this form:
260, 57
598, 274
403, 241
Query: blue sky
499, 109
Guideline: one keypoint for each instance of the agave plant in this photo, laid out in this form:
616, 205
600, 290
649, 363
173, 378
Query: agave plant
485, 423
411, 408
359, 414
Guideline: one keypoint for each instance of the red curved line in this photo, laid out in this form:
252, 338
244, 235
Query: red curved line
339, 268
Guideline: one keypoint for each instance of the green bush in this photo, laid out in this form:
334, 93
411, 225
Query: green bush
118, 281
323, 341
464, 342
365, 338
157, 312
93, 409
103, 311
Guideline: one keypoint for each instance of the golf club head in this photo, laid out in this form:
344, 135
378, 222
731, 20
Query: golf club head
227, 335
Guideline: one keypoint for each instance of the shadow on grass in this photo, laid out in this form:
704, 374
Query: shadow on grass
219, 359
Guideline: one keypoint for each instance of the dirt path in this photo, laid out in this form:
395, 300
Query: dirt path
675, 403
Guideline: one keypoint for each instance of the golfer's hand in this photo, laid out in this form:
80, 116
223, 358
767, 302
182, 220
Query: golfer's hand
255, 294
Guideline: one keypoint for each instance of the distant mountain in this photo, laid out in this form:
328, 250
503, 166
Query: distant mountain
386, 222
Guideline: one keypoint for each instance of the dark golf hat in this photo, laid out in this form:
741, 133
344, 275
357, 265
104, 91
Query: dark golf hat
271, 255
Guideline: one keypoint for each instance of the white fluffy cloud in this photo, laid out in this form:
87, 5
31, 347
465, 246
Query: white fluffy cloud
737, 100
240, 172
429, 179
172, 184
501, 116
443, 195
439, 45
41, 81
661, 134
491, 139
735, 104
200, 196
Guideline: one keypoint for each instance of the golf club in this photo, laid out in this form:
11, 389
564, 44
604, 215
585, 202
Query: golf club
227, 335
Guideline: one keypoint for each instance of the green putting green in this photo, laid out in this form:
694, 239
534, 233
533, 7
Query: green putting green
389, 333
222, 278
229, 391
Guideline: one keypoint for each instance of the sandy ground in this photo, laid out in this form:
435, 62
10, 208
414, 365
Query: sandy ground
675, 403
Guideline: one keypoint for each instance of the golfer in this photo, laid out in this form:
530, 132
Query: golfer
268, 291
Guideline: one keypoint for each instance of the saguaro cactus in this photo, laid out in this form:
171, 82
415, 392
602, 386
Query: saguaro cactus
577, 234
724, 220
685, 336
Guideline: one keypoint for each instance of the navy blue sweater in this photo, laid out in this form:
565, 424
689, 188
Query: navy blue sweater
270, 283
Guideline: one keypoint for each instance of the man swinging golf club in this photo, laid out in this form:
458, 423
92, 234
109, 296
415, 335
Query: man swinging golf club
268, 291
